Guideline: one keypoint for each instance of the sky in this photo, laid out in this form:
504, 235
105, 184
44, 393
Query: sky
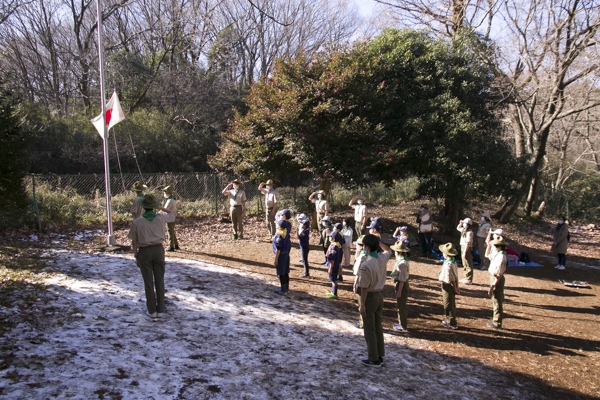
365, 7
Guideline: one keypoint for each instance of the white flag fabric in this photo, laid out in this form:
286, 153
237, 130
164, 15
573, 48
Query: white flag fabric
114, 115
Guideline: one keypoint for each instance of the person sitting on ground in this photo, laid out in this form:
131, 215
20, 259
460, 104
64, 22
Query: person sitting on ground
485, 226
147, 235
360, 213
466, 242
400, 275
303, 241
561, 242
496, 292
449, 278
334, 260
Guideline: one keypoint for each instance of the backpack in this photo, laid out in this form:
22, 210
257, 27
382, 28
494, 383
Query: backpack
524, 258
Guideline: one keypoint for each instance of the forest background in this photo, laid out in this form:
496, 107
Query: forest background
185, 71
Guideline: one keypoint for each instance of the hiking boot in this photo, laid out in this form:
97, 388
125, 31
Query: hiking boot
340, 279
235, 236
369, 363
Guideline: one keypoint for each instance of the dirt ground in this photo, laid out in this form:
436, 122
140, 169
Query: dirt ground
550, 330
549, 347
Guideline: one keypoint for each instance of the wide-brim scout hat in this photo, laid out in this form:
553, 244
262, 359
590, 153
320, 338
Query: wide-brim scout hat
361, 197
360, 240
448, 249
270, 182
138, 186
499, 241
400, 247
149, 201
321, 192
236, 181
168, 189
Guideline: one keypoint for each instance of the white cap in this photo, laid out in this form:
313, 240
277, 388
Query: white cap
499, 232
468, 221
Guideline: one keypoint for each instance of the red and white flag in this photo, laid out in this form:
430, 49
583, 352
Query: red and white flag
114, 115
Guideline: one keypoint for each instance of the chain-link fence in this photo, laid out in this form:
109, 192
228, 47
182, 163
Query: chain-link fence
81, 199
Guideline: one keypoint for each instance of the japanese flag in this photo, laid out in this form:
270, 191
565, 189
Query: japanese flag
114, 115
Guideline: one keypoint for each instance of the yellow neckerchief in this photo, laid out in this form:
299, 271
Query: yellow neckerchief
338, 245
282, 232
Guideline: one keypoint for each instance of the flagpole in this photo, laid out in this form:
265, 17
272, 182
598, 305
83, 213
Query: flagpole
110, 239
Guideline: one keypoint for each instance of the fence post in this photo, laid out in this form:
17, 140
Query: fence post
216, 194
35, 204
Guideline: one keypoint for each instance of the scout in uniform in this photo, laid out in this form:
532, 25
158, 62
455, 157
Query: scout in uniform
237, 207
326, 229
171, 204
466, 242
268, 189
321, 206
147, 235
137, 210
425, 223
359, 257
281, 248
360, 213
449, 278
334, 260
485, 226
497, 269
400, 275
303, 241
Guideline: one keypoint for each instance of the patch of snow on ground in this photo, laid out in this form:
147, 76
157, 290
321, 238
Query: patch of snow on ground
226, 335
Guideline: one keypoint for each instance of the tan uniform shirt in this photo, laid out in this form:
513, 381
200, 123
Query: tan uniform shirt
498, 264
236, 197
148, 233
270, 198
449, 272
373, 272
171, 205
321, 206
401, 270
136, 208
360, 212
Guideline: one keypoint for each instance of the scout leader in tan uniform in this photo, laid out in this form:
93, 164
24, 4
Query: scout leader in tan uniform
137, 210
321, 206
171, 204
268, 189
237, 207
147, 235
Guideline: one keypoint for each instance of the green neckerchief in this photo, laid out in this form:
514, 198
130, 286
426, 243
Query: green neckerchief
373, 254
402, 258
235, 193
171, 197
362, 253
149, 215
449, 260
140, 195
499, 252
